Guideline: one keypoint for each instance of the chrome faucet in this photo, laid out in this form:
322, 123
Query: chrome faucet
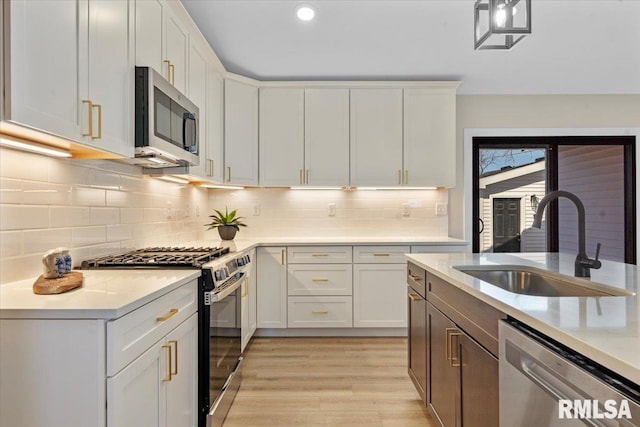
583, 263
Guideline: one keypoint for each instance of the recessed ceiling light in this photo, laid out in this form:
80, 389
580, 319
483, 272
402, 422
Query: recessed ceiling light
305, 13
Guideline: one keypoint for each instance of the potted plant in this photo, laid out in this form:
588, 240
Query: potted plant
227, 223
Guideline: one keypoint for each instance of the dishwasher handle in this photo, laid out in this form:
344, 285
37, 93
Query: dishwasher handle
544, 378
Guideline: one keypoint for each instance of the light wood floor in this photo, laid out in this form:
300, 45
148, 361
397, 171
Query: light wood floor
306, 382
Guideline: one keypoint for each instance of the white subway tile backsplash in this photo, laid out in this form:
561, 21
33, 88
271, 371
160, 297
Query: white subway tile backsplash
70, 216
23, 217
86, 196
21, 165
105, 216
119, 232
42, 193
10, 243
40, 241
131, 215
10, 191
86, 236
20, 267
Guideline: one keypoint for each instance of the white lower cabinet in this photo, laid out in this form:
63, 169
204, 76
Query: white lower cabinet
379, 295
272, 287
248, 305
163, 381
320, 312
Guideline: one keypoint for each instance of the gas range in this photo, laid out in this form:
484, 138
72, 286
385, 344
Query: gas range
158, 257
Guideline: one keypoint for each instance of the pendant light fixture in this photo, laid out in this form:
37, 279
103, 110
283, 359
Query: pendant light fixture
500, 24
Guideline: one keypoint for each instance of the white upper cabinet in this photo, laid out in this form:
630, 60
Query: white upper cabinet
109, 75
281, 136
241, 133
71, 70
326, 137
175, 62
45, 58
197, 93
214, 150
376, 137
150, 35
162, 41
429, 137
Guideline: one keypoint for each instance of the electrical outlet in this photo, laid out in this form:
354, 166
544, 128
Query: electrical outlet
415, 203
332, 209
406, 209
256, 209
441, 209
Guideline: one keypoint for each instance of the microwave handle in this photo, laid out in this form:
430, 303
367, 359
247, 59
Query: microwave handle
185, 117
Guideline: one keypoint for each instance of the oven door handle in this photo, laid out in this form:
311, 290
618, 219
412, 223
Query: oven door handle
219, 296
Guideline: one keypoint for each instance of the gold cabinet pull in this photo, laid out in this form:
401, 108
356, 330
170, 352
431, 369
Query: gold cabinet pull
380, 254
168, 377
406, 176
399, 176
282, 252
449, 334
319, 280
170, 314
415, 277
90, 104
175, 359
245, 289
320, 312
307, 177
99, 107
300, 177
210, 167
166, 61
415, 297
228, 173
172, 71
319, 254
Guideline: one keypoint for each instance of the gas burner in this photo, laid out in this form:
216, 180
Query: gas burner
158, 257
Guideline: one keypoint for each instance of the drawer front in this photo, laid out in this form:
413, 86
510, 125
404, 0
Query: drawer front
380, 254
319, 254
320, 312
320, 279
417, 279
132, 334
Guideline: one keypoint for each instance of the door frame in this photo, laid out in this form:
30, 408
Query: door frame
471, 133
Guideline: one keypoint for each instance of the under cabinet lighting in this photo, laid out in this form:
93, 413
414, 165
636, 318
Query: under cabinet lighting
222, 187
305, 13
174, 179
317, 188
34, 147
395, 188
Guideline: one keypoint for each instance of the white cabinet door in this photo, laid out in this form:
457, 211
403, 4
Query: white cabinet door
150, 40
376, 137
44, 73
249, 319
110, 75
182, 389
429, 137
241, 133
197, 93
379, 295
272, 287
175, 70
326, 137
137, 395
281, 136
214, 159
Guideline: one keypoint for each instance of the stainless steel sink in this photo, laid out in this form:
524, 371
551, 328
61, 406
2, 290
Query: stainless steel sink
534, 281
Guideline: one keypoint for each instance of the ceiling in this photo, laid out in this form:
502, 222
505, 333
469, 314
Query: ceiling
576, 46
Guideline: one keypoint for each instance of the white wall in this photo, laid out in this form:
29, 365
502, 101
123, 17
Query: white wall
93, 207
596, 175
297, 213
509, 114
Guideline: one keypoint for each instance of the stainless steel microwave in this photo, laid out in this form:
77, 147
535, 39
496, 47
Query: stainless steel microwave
166, 123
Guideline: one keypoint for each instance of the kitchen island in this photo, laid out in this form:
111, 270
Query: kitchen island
605, 329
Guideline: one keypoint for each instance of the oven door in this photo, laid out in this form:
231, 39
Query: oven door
222, 353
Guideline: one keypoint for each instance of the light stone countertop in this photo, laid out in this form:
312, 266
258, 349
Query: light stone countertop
605, 329
109, 294
105, 294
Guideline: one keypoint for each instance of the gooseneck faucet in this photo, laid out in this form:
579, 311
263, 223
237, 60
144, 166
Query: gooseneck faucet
583, 263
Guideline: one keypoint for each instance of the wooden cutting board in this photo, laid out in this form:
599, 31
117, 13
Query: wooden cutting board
69, 281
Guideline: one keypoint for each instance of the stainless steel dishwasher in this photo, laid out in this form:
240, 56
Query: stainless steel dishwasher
544, 383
